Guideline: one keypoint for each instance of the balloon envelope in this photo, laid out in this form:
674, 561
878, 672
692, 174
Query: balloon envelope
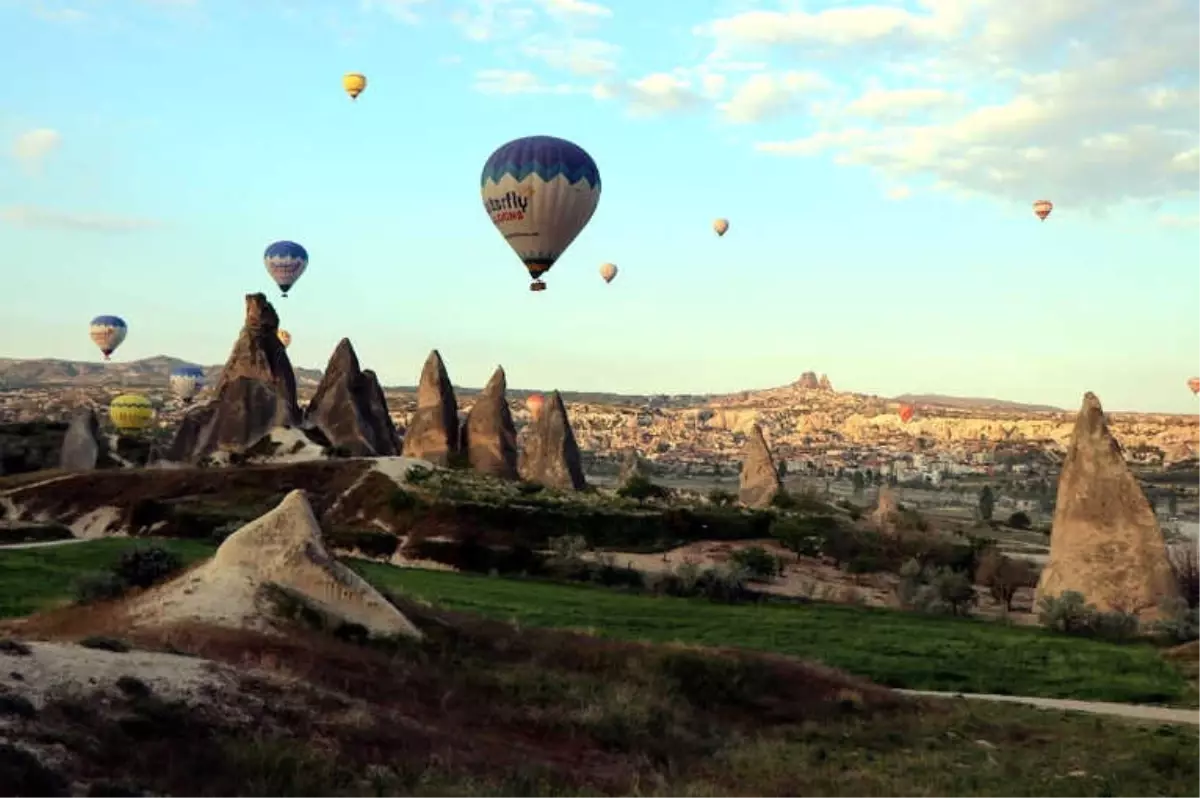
608, 271
534, 403
354, 84
285, 262
1042, 208
1194, 384
540, 192
285, 338
906, 413
721, 226
107, 332
130, 412
186, 381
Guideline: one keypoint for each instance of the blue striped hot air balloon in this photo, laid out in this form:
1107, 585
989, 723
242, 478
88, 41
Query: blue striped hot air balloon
186, 381
540, 192
107, 332
285, 262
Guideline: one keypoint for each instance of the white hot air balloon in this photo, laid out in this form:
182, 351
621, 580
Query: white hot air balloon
608, 271
186, 381
721, 226
540, 193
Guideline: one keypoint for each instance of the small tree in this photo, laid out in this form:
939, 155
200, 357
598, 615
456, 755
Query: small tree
859, 482
1019, 520
987, 503
1003, 576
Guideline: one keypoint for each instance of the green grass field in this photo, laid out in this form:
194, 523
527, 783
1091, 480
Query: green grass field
892, 648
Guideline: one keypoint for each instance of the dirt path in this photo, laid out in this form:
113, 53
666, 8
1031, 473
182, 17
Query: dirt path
1135, 711
41, 544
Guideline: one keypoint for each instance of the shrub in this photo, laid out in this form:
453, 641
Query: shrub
722, 498
1180, 622
784, 501
527, 488
758, 563
568, 548
1004, 576
1068, 612
97, 586
1020, 520
640, 488
934, 590
144, 567
417, 474
1185, 568
401, 501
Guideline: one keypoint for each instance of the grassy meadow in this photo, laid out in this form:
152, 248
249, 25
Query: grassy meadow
891, 648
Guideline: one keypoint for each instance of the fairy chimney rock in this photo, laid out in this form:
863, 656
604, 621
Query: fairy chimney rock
489, 437
1106, 542
433, 431
760, 482
551, 455
348, 407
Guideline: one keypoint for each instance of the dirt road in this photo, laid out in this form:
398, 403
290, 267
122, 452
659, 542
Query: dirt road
1134, 711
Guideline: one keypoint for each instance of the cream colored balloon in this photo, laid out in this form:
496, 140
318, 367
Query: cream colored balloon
608, 271
721, 226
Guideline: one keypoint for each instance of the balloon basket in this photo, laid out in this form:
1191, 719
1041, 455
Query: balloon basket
537, 285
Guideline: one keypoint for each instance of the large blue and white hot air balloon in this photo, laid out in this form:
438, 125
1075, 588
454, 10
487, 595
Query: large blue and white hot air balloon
107, 332
285, 262
186, 381
540, 192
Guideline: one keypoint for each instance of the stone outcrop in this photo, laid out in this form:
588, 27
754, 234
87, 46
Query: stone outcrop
256, 392
279, 556
433, 431
489, 437
30, 446
551, 455
760, 482
1106, 542
84, 446
808, 381
349, 408
886, 511
824, 384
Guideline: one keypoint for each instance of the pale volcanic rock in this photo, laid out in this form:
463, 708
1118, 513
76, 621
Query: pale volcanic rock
83, 446
489, 436
551, 455
808, 381
886, 511
1106, 542
824, 384
256, 392
433, 429
349, 408
759, 483
282, 549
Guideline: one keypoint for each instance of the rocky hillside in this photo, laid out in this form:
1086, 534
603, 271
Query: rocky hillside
16, 374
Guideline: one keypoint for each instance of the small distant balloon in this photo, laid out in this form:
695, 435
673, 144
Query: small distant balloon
1194, 384
534, 404
354, 84
721, 226
285, 338
608, 271
285, 262
107, 332
540, 192
906, 413
131, 412
1042, 209
186, 381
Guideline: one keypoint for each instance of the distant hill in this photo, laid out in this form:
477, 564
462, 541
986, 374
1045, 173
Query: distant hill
973, 403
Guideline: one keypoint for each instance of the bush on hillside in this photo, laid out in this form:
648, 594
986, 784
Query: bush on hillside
1070, 613
1004, 576
1185, 568
935, 590
758, 563
722, 498
1020, 520
640, 488
1180, 622
143, 567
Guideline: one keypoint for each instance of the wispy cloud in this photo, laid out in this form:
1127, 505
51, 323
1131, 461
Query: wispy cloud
36, 217
33, 148
507, 81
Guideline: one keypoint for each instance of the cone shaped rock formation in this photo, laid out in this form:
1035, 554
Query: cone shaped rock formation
551, 455
1106, 542
489, 437
433, 431
759, 483
349, 407
282, 549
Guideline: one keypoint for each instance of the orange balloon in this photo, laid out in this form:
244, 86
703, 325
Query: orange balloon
1194, 384
1042, 208
534, 404
906, 413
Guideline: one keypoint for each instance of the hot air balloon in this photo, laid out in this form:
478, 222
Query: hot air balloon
285, 338
534, 404
131, 412
540, 192
608, 271
285, 262
721, 226
1042, 209
186, 381
1194, 384
107, 332
906, 413
354, 84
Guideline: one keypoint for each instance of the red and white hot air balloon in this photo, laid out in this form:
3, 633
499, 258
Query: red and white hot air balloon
1042, 209
1194, 384
906, 413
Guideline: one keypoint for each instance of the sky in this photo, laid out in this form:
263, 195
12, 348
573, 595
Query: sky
877, 162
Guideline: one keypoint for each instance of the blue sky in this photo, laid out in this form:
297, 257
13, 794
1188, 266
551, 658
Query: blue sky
877, 162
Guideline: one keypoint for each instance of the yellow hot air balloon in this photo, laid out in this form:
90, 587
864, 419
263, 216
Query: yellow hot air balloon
608, 271
131, 412
285, 338
721, 226
354, 84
